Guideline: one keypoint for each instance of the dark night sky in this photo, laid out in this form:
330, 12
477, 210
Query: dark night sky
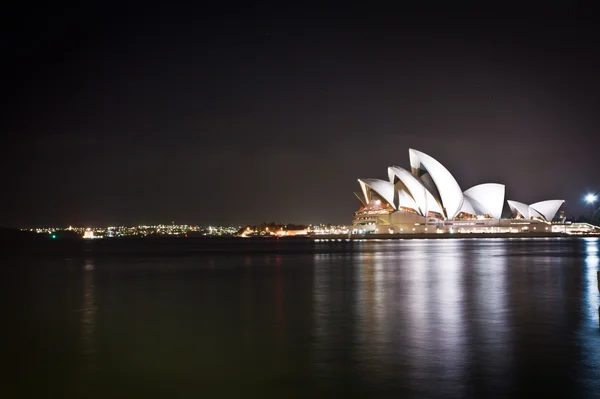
139, 113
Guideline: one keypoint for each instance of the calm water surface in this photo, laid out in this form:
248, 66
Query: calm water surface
411, 318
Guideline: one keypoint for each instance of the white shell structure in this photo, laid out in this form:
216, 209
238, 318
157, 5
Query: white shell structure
547, 208
450, 193
535, 214
522, 208
487, 198
406, 201
364, 190
424, 200
430, 188
383, 188
416, 190
433, 205
543, 209
468, 207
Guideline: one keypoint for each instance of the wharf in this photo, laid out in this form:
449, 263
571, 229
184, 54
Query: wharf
408, 236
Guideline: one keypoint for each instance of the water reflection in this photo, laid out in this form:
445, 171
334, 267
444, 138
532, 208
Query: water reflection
327, 308
475, 316
436, 340
592, 287
488, 324
404, 304
88, 327
589, 335
278, 297
373, 326
396, 318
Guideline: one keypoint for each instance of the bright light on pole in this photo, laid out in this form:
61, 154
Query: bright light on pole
591, 199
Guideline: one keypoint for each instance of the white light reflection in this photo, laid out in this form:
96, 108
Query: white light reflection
588, 334
437, 340
591, 264
449, 271
489, 315
374, 310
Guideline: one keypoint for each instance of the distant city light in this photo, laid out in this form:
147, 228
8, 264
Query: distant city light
169, 230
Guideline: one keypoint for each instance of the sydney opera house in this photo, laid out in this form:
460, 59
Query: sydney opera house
428, 199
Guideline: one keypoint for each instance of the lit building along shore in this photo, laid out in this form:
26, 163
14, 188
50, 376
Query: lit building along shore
428, 199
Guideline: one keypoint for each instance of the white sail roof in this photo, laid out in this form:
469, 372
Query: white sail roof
467, 207
416, 190
433, 205
406, 201
547, 208
385, 189
522, 208
450, 193
488, 198
364, 190
430, 187
423, 198
533, 213
543, 209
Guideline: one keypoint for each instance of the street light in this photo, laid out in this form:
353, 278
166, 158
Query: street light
591, 199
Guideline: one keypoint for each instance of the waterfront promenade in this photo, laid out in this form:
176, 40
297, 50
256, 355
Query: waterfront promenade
405, 236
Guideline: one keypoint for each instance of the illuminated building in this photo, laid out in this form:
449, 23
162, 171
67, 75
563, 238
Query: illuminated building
428, 199
290, 233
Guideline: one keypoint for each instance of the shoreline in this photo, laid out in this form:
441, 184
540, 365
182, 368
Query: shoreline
444, 236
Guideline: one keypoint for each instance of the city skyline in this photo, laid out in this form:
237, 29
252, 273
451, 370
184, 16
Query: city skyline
187, 230
210, 116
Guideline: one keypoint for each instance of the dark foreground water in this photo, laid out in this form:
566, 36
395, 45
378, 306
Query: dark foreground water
411, 318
